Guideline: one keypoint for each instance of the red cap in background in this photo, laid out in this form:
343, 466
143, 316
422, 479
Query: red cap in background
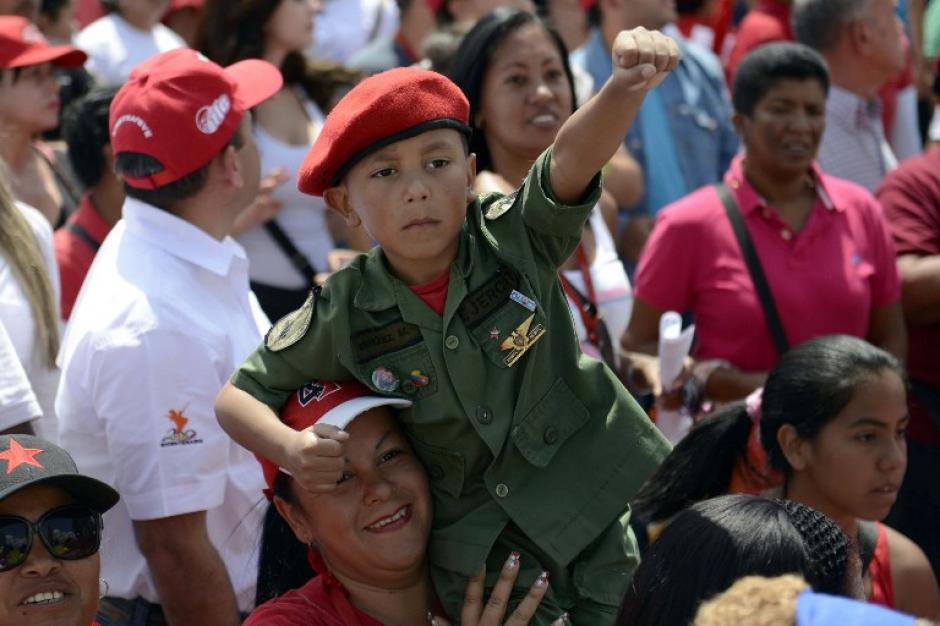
176, 5
21, 45
182, 109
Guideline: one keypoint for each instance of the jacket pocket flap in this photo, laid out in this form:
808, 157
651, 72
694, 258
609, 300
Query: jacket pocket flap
547, 426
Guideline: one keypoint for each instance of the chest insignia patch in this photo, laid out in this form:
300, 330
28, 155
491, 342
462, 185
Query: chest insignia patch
292, 327
498, 208
521, 339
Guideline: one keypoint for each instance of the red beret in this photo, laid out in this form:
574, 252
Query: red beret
379, 111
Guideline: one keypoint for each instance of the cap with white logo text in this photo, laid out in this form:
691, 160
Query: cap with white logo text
182, 109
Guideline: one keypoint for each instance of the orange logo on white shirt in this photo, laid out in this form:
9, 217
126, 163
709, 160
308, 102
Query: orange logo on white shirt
178, 435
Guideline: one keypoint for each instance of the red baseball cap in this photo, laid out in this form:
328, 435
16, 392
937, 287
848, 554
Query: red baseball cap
176, 5
21, 45
182, 109
384, 108
322, 402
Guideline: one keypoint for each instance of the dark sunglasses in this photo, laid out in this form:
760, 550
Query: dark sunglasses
69, 532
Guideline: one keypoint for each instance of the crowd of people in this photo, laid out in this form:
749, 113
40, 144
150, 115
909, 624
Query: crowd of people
351, 312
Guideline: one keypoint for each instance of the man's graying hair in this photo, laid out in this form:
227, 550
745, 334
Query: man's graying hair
820, 23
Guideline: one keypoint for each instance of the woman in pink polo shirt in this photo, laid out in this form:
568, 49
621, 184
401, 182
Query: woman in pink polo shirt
821, 241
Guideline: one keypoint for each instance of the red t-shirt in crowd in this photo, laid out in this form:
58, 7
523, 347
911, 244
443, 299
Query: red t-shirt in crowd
825, 279
910, 196
768, 21
75, 247
314, 604
87, 11
719, 22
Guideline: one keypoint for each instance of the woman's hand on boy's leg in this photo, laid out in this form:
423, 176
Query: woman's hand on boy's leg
316, 457
643, 58
475, 613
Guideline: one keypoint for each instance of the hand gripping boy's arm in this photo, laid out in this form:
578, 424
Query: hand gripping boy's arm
642, 59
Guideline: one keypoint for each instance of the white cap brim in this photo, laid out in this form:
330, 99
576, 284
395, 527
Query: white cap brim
342, 415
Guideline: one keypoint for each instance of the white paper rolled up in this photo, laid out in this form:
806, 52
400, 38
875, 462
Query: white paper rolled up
674, 346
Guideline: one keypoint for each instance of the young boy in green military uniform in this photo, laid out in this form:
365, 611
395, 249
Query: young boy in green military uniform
530, 446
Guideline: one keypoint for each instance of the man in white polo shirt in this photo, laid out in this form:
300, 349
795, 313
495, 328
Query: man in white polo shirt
162, 320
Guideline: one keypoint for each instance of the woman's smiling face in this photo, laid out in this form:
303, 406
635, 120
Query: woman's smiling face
526, 96
374, 527
44, 590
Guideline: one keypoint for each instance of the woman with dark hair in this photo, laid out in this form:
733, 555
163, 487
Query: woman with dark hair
287, 251
356, 555
707, 547
514, 70
29, 106
827, 431
821, 260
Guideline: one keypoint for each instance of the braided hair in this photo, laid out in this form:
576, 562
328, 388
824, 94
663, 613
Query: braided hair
827, 548
713, 543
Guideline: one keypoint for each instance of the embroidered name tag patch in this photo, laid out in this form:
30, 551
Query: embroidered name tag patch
371, 344
486, 299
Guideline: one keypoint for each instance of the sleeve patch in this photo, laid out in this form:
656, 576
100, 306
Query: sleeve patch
292, 327
498, 208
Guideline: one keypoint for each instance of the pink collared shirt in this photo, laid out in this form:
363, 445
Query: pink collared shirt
826, 278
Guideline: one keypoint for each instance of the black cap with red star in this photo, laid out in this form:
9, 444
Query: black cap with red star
26, 461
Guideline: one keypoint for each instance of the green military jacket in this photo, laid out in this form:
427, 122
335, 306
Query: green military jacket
510, 419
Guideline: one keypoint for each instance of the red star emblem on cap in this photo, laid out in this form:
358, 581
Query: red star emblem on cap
17, 455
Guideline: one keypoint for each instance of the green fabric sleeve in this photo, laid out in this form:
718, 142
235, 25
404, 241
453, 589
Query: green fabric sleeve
271, 376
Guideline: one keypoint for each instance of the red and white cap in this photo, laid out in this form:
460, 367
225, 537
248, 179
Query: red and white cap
322, 402
182, 109
22, 45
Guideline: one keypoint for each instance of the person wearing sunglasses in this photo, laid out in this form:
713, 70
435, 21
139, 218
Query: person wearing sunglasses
50, 532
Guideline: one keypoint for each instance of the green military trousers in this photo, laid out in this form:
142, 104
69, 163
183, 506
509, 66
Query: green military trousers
589, 588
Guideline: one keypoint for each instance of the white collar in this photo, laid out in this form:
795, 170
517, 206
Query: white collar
180, 238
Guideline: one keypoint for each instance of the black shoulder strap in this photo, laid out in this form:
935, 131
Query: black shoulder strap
296, 257
754, 268
79, 231
867, 540
65, 183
